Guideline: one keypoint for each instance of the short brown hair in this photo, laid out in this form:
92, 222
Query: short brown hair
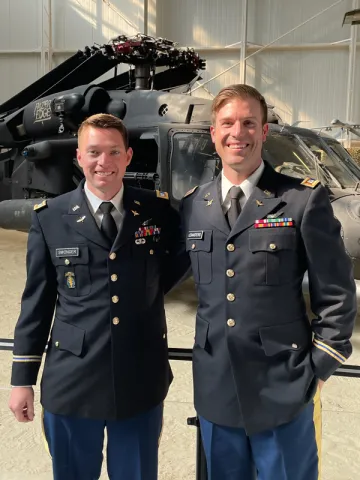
238, 91
105, 120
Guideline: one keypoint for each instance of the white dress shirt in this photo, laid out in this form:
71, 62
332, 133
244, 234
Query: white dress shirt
94, 203
247, 186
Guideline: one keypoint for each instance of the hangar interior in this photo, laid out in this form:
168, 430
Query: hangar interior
300, 55
306, 62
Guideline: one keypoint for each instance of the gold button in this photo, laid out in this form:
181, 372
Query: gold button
115, 299
116, 321
57, 344
230, 247
114, 277
230, 297
67, 261
112, 256
151, 252
230, 273
294, 345
231, 322
193, 246
272, 246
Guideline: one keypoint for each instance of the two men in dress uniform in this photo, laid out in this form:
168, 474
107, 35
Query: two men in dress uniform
103, 257
258, 361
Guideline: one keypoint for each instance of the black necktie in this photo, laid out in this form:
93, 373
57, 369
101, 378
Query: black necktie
108, 225
235, 209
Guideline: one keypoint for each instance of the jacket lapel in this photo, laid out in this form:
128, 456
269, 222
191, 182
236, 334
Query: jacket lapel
134, 215
261, 202
211, 209
81, 219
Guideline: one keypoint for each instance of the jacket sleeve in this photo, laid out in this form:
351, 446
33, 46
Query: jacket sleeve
331, 285
177, 261
37, 308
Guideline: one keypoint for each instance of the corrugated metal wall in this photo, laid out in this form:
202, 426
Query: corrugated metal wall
20, 30
306, 83
24, 28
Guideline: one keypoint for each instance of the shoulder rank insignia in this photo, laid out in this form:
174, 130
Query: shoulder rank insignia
40, 205
310, 182
162, 194
192, 190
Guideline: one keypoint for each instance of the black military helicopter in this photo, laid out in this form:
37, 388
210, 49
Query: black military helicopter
169, 133
38, 126
300, 152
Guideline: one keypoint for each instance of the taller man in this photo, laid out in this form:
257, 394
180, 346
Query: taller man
258, 362
102, 256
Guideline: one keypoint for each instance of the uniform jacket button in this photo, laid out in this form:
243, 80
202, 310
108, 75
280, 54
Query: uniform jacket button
272, 246
115, 299
294, 345
114, 277
67, 261
231, 322
230, 247
231, 297
116, 321
112, 256
230, 273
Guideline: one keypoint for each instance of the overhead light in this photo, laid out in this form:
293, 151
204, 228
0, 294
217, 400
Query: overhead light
352, 17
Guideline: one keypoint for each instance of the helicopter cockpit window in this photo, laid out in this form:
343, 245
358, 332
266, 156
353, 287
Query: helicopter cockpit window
194, 161
287, 156
330, 161
343, 155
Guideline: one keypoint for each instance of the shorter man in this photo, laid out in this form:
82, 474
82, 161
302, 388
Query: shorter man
102, 256
252, 234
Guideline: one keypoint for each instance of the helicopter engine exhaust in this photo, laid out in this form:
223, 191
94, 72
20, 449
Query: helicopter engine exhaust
49, 148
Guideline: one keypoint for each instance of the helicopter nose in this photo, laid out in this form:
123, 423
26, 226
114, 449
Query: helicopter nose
347, 211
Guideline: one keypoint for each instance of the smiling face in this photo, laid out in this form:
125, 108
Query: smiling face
238, 134
103, 156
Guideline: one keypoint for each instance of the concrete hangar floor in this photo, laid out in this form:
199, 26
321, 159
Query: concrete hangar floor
22, 452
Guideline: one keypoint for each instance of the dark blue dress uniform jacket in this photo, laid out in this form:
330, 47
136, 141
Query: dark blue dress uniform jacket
107, 356
256, 357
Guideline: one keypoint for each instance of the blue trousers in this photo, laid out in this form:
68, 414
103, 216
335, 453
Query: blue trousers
289, 452
76, 445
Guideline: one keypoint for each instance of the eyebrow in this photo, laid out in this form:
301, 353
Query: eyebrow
246, 118
89, 147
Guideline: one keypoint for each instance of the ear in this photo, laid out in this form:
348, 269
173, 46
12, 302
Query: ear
265, 131
129, 155
212, 133
78, 157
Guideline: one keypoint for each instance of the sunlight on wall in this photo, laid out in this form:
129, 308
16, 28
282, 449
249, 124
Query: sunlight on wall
116, 22
201, 37
108, 18
152, 18
86, 9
